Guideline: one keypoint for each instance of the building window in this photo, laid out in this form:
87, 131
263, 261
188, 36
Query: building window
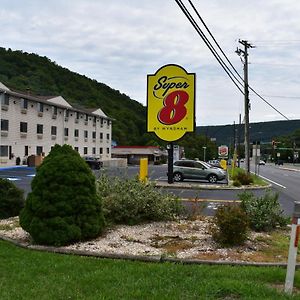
86, 117
66, 130
77, 115
101, 135
107, 136
3, 151
76, 133
39, 150
107, 150
54, 110
26, 151
101, 150
23, 127
85, 134
85, 150
4, 125
39, 129
5, 100
40, 107
94, 150
53, 130
24, 103
76, 149
67, 114
101, 122
94, 134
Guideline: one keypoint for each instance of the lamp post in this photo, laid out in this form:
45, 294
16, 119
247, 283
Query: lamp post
204, 152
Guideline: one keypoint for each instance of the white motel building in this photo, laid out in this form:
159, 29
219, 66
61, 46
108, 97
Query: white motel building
31, 125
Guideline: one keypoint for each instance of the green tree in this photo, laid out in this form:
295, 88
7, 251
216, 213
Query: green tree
63, 206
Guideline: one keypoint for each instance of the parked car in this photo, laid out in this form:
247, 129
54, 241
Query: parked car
191, 169
279, 162
93, 162
261, 162
215, 163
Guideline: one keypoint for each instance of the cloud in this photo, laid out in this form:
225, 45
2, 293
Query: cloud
120, 42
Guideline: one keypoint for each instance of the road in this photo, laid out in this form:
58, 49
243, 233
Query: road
284, 181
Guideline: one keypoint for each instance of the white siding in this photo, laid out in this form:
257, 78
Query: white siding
17, 141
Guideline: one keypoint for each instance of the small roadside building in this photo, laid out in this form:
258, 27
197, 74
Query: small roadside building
133, 154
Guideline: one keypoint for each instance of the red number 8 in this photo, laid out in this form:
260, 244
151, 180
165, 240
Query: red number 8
174, 109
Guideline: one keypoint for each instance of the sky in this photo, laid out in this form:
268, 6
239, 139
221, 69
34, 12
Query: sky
119, 42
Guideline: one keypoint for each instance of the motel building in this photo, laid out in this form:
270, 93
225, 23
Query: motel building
31, 125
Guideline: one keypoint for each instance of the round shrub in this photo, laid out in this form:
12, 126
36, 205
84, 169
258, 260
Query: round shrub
11, 199
243, 177
231, 224
63, 206
129, 201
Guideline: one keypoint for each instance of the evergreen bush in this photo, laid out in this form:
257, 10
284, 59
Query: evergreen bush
11, 199
264, 212
63, 206
129, 201
231, 224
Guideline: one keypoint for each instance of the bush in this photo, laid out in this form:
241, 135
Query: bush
264, 212
129, 201
243, 177
11, 199
63, 206
236, 183
231, 225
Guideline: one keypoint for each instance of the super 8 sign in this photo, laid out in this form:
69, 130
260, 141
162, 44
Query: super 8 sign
171, 102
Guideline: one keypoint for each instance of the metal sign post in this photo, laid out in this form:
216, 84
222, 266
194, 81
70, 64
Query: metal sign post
290, 273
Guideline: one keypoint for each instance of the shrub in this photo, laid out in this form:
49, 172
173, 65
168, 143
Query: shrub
231, 225
264, 212
11, 199
236, 183
63, 206
243, 177
129, 201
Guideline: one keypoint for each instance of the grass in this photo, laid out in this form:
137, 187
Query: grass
28, 274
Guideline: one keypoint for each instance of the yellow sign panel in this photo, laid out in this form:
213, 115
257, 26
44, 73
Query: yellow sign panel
171, 102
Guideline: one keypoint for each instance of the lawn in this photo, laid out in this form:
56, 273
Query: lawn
28, 274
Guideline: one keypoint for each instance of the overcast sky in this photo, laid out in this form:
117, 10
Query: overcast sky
119, 42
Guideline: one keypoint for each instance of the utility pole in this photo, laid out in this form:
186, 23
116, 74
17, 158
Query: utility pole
239, 141
246, 100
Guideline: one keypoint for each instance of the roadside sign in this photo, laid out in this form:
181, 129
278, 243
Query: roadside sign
223, 151
171, 102
278, 154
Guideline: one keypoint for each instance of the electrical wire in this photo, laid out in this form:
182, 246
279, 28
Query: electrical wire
202, 35
209, 45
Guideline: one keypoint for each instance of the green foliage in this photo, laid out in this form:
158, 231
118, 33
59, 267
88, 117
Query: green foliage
231, 225
129, 201
236, 183
242, 177
63, 206
11, 199
264, 212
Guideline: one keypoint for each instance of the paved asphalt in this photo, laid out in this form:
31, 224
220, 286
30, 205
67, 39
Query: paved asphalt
285, 179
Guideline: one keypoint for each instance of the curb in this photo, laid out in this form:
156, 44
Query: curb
207, 187
141, 258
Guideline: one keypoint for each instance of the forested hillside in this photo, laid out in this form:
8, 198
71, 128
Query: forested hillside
20, 70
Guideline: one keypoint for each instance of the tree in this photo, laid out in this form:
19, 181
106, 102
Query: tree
63, 206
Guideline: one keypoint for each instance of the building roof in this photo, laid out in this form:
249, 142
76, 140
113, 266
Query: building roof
137, 150
58, 101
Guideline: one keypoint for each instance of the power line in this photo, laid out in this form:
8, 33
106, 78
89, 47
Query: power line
207, 42
209, 45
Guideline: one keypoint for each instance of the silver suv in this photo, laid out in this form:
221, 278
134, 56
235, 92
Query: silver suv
192, 169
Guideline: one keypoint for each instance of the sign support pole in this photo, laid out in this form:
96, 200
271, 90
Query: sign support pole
290, 272
170, 163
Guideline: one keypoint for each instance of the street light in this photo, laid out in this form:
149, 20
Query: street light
204, 152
